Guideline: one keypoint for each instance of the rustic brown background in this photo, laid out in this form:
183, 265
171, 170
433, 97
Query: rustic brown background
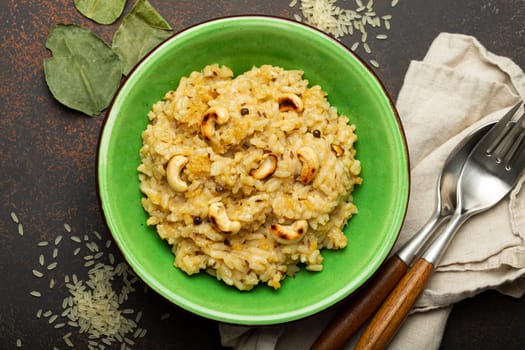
48, 160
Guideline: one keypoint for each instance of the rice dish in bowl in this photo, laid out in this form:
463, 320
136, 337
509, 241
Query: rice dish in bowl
241, 43
249, 177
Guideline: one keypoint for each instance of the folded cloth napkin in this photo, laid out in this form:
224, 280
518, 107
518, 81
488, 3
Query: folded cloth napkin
457, 87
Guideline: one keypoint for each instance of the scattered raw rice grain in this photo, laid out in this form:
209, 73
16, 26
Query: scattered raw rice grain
364, 36
42, 243
76, 251
394, 3
18, 343
48, 313
86, 237
14, 217
88, 257
97, 235
387, 24
381, 36
38, 274
164, 316
111, 259
66, 278
35, 293
98, 255
68, 341
76, 239
60, 325
51, 283
138, 317
39, 313
20, 229
55, 253
367, 48
52, 319
143, 333
52, 266
93, 247
58, 239
108, 243
41, 260
137, 333
72, 323
355, 46
89, 263
67, 227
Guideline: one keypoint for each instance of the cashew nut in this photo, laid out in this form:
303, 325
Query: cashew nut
214, 115
338, 150
290, 102
289, 233
266, 167
310, 162
221, 221
173, 172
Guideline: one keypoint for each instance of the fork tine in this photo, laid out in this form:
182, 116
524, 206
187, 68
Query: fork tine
515, 159
508, 146
493, 138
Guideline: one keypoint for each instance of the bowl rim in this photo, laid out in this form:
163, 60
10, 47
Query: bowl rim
218, 315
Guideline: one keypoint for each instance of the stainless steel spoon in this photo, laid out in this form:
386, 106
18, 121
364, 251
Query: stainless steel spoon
363, 304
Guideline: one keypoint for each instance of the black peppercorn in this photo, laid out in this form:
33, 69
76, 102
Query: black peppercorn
244, 111
316, 133
197, 220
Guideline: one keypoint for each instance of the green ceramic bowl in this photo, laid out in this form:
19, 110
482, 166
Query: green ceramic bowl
240, 43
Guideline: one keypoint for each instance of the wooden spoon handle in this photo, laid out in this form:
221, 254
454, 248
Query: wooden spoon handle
362, 305
393, 312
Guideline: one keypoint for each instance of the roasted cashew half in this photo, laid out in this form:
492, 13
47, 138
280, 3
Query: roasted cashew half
214, 115
221, 221
173, 173
290, 102
310, 162
266, 168
289, 233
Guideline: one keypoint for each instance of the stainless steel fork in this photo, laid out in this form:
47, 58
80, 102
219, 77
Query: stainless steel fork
491, 171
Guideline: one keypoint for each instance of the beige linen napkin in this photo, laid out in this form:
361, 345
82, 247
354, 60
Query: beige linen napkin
458, 86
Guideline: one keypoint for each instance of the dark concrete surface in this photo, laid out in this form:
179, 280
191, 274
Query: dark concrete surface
48, 163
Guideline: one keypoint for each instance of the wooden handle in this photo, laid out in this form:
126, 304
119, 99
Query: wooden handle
391, 315
362, 305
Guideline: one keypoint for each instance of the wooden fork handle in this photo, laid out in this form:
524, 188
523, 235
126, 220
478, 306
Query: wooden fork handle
393, 312
361, 306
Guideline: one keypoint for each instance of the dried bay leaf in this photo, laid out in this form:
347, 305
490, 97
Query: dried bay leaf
140, 31
84, 73
101, 11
